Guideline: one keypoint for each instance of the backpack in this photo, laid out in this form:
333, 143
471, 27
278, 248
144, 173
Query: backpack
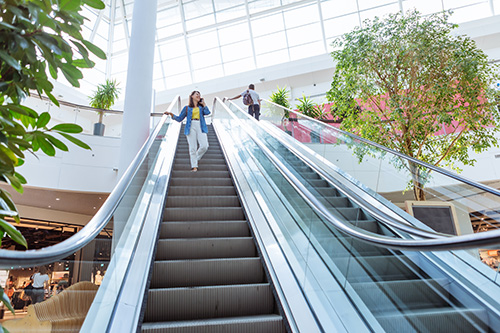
247, 99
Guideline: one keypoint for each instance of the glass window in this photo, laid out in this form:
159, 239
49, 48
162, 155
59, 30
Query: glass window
86, 32
230, 13
200, 22
221, 5
334, 8
159, 85
367, 4
206, 58
265, 25
203, 41
255, 6
238, 66
300, 16
305, 34
169, 31
450, 4
270, 42
425, 7
306, 50
197, 8
101, 42
157, 71
208, 73
119, 63
173, 48
272, 58
118, 32
168, 16
119, 45
379, 11
93, 75
176, 66
233, 33
121, 78
340, 25
470, 13
178, 80
236, 51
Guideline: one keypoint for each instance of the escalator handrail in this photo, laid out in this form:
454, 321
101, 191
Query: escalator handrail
404, 226
394, 152
440, 244
67, 247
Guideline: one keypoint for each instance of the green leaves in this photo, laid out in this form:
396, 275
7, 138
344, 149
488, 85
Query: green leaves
400, 80
38, 39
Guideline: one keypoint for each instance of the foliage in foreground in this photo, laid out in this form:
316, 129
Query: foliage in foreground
38, 38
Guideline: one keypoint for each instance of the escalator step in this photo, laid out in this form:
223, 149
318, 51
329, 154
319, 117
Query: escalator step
436, 320
203, 214
200, 181
383, 297
206, 272
202, 173
204, 229
201, 190
204, 248
270, 323
203, 201
208, 302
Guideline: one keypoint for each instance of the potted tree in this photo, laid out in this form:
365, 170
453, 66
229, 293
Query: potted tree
104, 97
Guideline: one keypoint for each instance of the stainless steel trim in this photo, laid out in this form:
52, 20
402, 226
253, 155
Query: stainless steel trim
9, 258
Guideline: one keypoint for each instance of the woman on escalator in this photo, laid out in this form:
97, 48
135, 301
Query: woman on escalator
196, 129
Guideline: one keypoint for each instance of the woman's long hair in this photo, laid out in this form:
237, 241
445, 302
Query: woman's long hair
191, 102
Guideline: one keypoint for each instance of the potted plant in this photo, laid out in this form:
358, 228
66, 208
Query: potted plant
280, 97
104, 97
308, 108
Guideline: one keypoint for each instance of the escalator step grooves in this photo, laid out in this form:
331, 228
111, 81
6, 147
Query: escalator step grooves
207, 275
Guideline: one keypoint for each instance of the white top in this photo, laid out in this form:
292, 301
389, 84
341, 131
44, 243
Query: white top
253, 94
39, 279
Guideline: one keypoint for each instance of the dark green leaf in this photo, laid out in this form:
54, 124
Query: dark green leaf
76, 141
67, 128
69, 5
45, 145
94, 49
43, 120
10, 60
57, 143
13, 232
97, 4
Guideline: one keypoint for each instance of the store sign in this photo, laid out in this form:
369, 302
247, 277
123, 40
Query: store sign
493, 253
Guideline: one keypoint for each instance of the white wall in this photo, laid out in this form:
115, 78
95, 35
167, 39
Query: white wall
78, 169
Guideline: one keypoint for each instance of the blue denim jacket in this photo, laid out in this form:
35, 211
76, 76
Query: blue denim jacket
188, 111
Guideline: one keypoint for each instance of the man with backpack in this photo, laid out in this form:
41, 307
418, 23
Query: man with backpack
252, 99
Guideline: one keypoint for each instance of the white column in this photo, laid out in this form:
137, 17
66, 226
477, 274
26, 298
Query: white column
138, 93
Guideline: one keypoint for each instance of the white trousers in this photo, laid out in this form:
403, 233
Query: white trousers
195, 137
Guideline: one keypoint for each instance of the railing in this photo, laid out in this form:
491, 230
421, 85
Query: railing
10, 259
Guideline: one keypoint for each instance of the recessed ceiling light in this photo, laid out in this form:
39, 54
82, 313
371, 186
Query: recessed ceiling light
57, 199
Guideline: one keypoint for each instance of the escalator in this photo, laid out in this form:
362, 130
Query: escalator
401, 296
207, 275
240, 246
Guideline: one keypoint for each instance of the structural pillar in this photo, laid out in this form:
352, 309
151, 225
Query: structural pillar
139, 91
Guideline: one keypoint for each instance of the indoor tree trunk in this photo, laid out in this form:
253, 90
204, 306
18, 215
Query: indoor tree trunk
418, 186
